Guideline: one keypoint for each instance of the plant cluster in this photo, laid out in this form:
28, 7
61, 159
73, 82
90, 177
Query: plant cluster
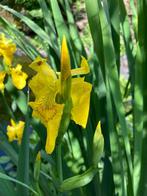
67, 129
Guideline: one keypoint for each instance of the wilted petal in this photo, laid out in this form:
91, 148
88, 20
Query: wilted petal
18, 77
80, 93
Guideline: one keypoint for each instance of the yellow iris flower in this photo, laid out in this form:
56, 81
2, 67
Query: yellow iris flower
15, 131
52, 93
7, 50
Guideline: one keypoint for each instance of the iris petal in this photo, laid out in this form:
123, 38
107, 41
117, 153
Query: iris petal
18, 77
80, 93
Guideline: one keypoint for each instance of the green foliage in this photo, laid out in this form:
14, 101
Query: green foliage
118, 102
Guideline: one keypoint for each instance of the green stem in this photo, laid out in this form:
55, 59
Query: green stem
38, 189
8, 109
59, 163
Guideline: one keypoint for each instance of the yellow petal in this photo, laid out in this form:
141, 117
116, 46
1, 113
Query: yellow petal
80, 93
13, 122
11, 133
2, 77
18, 77
84, 68
52, 130
15, 131
50, 116
65, 61
40, 65
7, 49
19, 131
42, 83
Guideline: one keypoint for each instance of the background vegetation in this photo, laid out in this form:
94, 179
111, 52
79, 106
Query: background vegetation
114, 42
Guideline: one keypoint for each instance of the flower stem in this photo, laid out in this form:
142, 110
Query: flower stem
59, 163
8, 109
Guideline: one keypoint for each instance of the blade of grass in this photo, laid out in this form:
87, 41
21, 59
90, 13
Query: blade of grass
6, 177
7, 187
7, 148
73, 30
94, 23
59, 20
117, 158
141, 83
50, 29
62, 29
112, 73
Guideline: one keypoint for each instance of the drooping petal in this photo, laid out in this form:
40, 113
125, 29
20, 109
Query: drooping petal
65, 61
80, 93
18, 77
52, 129
2, 77
50, 116
7, 49
83, 69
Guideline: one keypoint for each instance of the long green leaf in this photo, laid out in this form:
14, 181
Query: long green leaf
23, 162
6, 177
141, 84
7, 148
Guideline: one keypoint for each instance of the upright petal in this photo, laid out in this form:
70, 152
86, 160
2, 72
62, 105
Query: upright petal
18, 77
40, 65
80, 93
65, 61
83, 69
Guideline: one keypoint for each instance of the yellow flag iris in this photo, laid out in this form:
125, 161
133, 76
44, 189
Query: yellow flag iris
7, 50
52, 92
15, 131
